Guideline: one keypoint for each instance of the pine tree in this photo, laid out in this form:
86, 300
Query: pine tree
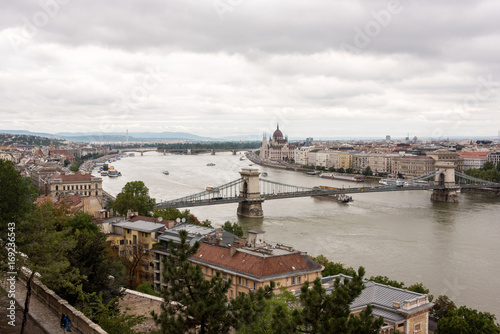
323, 312
191, 302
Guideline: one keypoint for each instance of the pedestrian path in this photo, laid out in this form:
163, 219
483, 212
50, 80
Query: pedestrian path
40, 312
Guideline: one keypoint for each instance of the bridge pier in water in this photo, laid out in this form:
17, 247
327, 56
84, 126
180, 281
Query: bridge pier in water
251, 207
447, 179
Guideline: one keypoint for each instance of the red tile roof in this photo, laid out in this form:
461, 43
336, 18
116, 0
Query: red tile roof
254, 265
78, 176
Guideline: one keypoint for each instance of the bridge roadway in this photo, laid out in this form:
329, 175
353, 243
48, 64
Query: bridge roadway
315, 192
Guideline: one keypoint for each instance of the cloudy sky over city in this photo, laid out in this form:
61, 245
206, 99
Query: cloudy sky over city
228, 67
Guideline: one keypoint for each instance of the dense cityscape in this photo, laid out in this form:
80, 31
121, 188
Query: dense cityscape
230, 166
138, 238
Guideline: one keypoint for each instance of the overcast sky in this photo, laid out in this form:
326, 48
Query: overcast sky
229, 67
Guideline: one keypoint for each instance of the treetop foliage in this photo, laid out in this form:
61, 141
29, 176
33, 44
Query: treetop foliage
134, 197
233, 228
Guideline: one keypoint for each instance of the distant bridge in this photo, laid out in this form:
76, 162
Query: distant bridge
250, 190
183, 150
139, 150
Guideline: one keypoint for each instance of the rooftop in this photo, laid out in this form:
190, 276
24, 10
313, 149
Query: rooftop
254, 265
140, 225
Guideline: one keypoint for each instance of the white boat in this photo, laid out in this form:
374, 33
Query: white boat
166, 172
104, 173
211, 164
392, 182
263, 174
242, 158
114, 173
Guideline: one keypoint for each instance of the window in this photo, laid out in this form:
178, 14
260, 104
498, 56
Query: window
417, 327
254, 285
122, 253
206, 270
293, 280
246, 283
128, 231
122, 242
239, 280
224, 276
298, 280
231, 294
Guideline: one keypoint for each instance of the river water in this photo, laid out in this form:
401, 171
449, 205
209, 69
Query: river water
452, 248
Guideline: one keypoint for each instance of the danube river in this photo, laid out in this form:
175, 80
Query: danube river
452, 248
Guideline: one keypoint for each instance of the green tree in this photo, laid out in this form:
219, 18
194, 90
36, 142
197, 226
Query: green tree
252, 312
341, 170
191, 301
45, 249
420, 288
488, 165
93, 258
323, 312
442, 307
467, 321
368, 171
134, 197
107, 315
146, 288
233, 228
335, 268
17, 195
386, 281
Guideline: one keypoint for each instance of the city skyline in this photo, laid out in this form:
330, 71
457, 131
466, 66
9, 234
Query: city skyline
225, 68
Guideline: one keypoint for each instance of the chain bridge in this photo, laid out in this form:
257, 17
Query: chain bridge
250, 190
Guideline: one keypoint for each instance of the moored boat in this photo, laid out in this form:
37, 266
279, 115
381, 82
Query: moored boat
342, 177
166, 172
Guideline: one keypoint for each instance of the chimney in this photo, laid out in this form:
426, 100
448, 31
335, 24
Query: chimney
217, 241
208, 238
396, 304
232, 250
242, 242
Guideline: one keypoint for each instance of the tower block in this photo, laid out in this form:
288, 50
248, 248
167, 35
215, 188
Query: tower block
251, 207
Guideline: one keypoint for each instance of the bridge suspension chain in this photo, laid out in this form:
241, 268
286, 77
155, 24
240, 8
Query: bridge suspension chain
460, 177
271, 187
426, 176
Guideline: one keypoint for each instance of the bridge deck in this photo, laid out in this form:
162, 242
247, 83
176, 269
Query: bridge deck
314, 192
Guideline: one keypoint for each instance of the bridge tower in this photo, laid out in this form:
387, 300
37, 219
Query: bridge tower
446, 179
250, 190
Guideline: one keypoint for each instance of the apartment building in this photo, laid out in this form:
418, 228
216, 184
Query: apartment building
250, 264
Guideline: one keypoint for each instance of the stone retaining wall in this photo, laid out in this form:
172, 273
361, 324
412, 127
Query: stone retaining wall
79, 322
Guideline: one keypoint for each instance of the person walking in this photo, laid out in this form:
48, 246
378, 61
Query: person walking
65, 323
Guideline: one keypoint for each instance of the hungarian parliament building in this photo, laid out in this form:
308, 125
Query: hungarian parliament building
278, 148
